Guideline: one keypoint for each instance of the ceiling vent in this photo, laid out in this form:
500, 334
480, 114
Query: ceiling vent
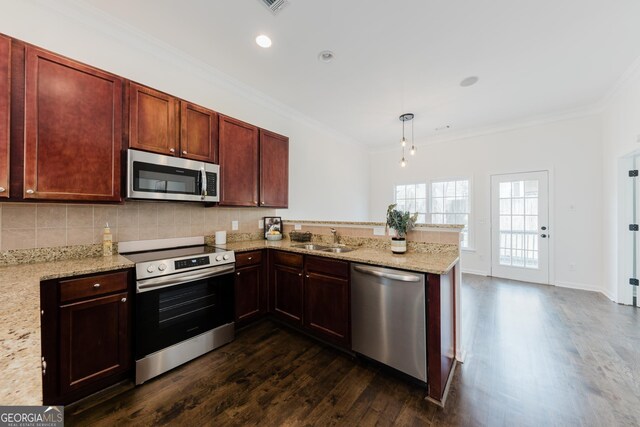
275, 6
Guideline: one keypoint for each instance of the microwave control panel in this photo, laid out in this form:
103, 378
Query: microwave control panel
212, 184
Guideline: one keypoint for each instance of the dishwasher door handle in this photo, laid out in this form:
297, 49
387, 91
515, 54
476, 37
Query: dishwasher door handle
391, 276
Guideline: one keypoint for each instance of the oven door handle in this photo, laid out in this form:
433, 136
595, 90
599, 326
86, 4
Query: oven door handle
163, 282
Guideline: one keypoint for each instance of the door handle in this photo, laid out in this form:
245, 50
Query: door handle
544, 236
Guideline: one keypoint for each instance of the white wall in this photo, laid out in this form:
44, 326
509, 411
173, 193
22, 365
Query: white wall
328, 173
571, 151
621, 133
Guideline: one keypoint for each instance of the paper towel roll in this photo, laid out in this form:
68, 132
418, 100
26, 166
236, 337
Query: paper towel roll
221, 237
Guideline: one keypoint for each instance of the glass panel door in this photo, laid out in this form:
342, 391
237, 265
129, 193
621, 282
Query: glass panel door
520, 229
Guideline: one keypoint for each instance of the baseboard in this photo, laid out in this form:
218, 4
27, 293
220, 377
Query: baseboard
475, 272
584, 287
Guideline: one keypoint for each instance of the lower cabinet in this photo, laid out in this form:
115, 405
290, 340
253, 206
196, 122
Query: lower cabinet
286, 290
250, 288
86, 338
326, 299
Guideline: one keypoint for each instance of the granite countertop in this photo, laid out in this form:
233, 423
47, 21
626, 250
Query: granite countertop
20, 321
425, 262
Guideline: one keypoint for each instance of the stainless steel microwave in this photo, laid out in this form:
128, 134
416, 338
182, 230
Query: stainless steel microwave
158, 177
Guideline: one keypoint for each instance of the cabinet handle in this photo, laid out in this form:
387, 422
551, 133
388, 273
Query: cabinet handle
237, 274
96, 285
250, 258
30, 191
2, 189
172, 150
184, 152
123, 300
44, 367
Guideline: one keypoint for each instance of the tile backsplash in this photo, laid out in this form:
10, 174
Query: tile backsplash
28, 225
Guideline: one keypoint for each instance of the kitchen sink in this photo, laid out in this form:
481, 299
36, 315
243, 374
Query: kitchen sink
311, 247
337, 250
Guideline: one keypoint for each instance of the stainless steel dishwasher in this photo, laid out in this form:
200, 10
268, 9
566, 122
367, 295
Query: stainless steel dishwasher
388, 318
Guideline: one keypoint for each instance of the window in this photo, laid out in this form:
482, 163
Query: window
412, 198
450, 205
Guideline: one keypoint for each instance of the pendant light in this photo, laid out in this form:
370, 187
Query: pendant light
405, 118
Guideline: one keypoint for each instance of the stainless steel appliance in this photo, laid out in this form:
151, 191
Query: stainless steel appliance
184, 302
388, 318
158, 177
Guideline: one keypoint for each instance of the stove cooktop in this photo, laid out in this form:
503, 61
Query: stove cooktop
162, 254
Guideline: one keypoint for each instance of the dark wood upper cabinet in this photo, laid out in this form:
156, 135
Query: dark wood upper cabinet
198, 133
274, 170
73, 130
238, 149
5, 116
152, 120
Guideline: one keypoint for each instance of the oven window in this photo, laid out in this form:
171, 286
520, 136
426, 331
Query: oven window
176, 305
165, 179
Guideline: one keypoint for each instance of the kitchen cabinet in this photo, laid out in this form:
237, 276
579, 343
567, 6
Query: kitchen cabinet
86, 338
238, 150
286, 287
326, 299
274, 170
5, 97
73, 130
164, 124
250, 288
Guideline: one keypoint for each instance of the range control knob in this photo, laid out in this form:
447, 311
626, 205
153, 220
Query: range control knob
219, 258
151, 268
226, 257
162, 267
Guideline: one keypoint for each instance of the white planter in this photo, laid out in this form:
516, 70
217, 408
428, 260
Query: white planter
398, 246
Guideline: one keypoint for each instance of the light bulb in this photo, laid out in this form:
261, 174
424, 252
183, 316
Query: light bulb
413, 150
404, 142
403, 163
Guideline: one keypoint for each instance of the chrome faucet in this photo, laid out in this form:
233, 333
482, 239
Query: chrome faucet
335, 236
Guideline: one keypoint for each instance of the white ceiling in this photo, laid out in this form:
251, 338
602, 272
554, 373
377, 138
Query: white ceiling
532, 57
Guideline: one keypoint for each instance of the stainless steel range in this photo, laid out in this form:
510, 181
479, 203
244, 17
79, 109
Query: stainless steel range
184, 301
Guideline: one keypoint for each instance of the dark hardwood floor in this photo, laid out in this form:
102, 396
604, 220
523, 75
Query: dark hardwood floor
537, 356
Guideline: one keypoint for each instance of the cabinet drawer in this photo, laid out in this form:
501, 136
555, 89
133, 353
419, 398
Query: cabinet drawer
288, 259
327, 266
92, 286
248, 258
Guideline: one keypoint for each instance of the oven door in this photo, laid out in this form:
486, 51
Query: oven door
167, 314
158, 177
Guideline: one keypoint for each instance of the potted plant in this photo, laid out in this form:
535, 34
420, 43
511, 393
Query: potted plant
401, 222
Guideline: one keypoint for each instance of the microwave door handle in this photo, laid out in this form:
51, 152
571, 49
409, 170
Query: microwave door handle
203, 180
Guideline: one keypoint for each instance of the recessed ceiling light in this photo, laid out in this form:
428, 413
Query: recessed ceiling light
469, 81
326, 56
263, 41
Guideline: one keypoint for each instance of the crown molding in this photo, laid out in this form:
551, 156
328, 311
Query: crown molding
631, 75
110, 26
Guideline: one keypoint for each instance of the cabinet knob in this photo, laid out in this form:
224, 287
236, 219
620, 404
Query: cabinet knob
96, 285
250, 258
184, 152
237, 274
30, 191
307, 276
300, 274
123, 300
262, 203
172, 150
2, 189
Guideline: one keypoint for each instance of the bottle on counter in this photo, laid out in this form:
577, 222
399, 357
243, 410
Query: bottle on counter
107, 241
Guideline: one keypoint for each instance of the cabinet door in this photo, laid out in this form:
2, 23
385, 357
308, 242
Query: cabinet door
248, 294
238, 148
5, 96
287, 299
274, 170
327, 307
199, 133
152, 120
73, 130
94, 340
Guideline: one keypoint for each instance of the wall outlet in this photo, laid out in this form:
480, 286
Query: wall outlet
378, 231
261, 224
297, 227
234, 225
